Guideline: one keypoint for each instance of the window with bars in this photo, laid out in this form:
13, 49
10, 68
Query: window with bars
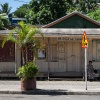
7, 53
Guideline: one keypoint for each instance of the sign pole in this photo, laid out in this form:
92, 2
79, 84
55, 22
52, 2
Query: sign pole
86, 67
85, 46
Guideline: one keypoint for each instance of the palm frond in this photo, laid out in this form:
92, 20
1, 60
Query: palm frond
10, 37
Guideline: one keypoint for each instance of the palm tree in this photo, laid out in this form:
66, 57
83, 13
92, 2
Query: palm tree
5, 8
25, 39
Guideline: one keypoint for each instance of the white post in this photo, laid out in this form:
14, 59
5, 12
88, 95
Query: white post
15, 57
86, 67
48, 57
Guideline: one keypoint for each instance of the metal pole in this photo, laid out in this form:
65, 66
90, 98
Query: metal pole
86, 67
15, 58
48, 56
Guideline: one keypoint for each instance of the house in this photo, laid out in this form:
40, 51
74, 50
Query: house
14, 21
62, 55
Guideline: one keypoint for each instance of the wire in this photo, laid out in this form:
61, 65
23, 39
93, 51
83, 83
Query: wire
21, 1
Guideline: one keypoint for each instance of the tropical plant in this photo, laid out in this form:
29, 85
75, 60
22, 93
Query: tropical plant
28, 71
25, 39
5, 8
1, 23
4, 22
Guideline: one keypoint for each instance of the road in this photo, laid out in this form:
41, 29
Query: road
48, 97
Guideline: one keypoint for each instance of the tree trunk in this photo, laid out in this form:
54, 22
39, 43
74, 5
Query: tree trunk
26, 54
23, 59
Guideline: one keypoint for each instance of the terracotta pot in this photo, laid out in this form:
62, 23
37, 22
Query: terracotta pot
29, 84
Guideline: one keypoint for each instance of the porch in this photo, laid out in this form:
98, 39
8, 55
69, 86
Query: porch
45, 74
73, 76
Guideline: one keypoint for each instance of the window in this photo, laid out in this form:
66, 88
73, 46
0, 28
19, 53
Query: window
41, 53
96, 50
7, 53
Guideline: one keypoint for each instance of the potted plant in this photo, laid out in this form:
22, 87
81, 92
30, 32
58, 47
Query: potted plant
28, 73
25, 39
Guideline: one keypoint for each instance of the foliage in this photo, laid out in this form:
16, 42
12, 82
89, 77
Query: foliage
84, 6
28, 71
1, 23
43, 12
24, 39
95, 15
4, 22
21, 11
5, 8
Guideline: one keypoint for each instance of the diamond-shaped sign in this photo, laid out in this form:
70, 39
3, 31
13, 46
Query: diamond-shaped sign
84, 40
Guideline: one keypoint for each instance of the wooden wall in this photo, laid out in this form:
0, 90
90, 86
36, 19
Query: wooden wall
12, 66
64, 56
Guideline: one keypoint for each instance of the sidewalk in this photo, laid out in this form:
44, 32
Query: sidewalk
52, 88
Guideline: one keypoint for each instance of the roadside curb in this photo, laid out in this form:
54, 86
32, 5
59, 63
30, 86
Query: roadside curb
50, 92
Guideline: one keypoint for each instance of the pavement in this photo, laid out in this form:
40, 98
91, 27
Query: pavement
52, 88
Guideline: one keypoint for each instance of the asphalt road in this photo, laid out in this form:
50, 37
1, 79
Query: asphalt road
48, 97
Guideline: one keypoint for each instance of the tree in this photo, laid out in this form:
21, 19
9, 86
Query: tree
21, 11
84, 6
24, 39
4, 22
1, 23
5, 8
95, 15
43, 12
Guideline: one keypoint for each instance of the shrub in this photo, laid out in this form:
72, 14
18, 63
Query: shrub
28, 71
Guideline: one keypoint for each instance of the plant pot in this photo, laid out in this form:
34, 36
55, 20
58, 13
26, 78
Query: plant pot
28, 84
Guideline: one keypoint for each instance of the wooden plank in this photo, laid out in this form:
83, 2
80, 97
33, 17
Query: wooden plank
7, 66
94, 58
73, 56
98, 50
61, 56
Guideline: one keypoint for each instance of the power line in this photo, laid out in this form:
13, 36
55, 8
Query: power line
21, 1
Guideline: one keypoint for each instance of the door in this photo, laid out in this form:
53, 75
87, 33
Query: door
61, 56
73, 56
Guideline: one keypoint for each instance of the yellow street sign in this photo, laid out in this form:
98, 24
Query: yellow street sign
84, 40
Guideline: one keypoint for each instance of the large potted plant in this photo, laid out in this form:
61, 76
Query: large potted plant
28, 73
25, 38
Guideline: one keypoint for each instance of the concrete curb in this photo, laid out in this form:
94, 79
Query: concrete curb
50, 92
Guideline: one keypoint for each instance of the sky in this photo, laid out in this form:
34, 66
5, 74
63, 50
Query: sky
15, 3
